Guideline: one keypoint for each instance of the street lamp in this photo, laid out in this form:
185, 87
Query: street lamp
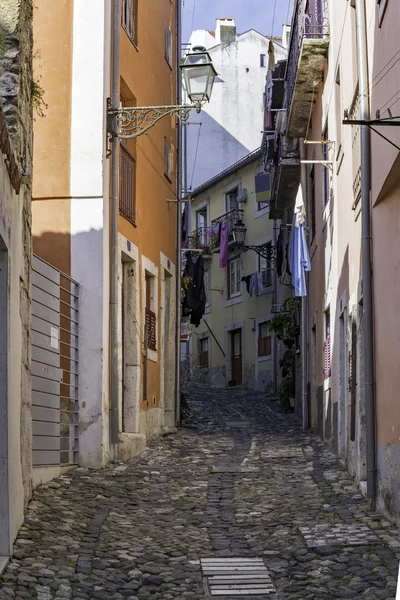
198, 74
239, 235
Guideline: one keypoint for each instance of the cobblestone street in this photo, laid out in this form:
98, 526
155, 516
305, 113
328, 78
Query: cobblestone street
240, 481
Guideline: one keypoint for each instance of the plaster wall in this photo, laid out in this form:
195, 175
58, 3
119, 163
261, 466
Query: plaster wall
232, 122
223, 314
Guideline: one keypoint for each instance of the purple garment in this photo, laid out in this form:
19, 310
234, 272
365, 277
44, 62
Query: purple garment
265, 278
255, 285
213, 231
224, 241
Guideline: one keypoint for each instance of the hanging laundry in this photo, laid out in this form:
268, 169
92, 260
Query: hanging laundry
246, 279
271, 57
198, 292
224, 243
213, 231
255, 285
187, 302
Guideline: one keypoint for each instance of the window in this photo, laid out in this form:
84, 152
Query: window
203, 353
262, 185
327, 345
325, 156
207, 286
312, 203
129, 19
168, 45
265, 267
264, 340
201, 225
167, 159
232, 200
151, 320
234, 284
262, 60
127, 183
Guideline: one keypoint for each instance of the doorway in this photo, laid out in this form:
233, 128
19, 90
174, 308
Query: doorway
236, 357
4, 495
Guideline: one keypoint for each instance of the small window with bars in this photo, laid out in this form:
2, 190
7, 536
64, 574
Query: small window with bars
203, 353
327, 346
264, 340
129, 19
150, 316
168, 45
265, 268
127, 184
167, 159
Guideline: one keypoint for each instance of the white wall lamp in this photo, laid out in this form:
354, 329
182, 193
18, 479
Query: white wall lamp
198, 75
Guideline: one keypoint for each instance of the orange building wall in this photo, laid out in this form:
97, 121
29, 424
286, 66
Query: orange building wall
51, 152
149, 81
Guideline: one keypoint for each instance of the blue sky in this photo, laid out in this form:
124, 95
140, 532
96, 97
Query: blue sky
248, 14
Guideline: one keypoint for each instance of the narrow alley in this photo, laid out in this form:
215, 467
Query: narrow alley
241, 502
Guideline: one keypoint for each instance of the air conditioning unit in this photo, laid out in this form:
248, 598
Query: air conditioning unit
242, 195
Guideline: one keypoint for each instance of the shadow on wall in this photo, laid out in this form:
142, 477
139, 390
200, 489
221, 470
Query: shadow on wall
211, 149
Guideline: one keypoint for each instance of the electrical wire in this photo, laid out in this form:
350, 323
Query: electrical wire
194, 10
390, 99
381, 71
273, 20
195, 158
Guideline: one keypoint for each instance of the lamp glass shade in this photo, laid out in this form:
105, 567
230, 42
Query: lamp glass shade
239, 233
198, 74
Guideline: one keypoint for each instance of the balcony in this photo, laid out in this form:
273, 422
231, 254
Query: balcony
232, 217
308, 52
200, 239
287, 177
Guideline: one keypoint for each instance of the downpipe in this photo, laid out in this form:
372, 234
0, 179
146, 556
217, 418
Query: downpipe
178, 221
114, 231
366, 249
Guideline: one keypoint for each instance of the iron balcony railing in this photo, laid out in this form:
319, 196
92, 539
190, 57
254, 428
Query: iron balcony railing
231, 217
200, 238
310, 21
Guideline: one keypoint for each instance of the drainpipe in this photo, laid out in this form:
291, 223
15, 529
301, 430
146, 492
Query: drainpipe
275, 302
114, 231
178, 220
366, 249
304, 327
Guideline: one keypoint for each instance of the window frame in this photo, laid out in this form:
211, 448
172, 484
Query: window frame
204, 363
262, 60
168, 54
261, 341
229, 193
151, 342
381, 6
238, 292
131, 31
268, 266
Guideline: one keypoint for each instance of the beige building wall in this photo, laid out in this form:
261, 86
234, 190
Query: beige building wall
335, 282
245, 313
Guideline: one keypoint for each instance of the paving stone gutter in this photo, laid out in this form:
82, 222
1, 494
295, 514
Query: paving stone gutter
242, 494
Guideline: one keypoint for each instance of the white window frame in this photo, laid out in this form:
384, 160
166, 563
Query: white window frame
381, 7
237, 281
129, 19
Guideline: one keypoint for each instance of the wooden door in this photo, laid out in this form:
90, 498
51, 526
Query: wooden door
236, 356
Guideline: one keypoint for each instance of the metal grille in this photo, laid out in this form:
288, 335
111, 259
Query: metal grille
327, 358
244, 577
127, 181
231, 217
55, 361
151, 324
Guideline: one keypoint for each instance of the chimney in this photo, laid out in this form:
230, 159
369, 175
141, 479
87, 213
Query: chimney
225, 31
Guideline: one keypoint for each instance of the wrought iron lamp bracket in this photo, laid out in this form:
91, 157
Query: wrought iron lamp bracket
264, 250
130, 122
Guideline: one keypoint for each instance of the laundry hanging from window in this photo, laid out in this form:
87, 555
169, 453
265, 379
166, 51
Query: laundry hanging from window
253, 284
194, 302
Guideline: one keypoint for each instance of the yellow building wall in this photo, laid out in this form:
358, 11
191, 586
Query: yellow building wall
249, 311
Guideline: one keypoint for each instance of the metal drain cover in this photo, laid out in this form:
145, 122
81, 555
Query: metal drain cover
244, 577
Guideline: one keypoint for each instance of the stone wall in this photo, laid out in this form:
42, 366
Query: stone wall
16, 89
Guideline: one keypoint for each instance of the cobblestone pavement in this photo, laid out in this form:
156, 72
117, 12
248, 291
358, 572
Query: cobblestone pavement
242, 481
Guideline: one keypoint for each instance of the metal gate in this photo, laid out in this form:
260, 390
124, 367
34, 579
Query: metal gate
55, 362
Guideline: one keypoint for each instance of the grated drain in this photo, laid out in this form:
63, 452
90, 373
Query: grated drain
232, 577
